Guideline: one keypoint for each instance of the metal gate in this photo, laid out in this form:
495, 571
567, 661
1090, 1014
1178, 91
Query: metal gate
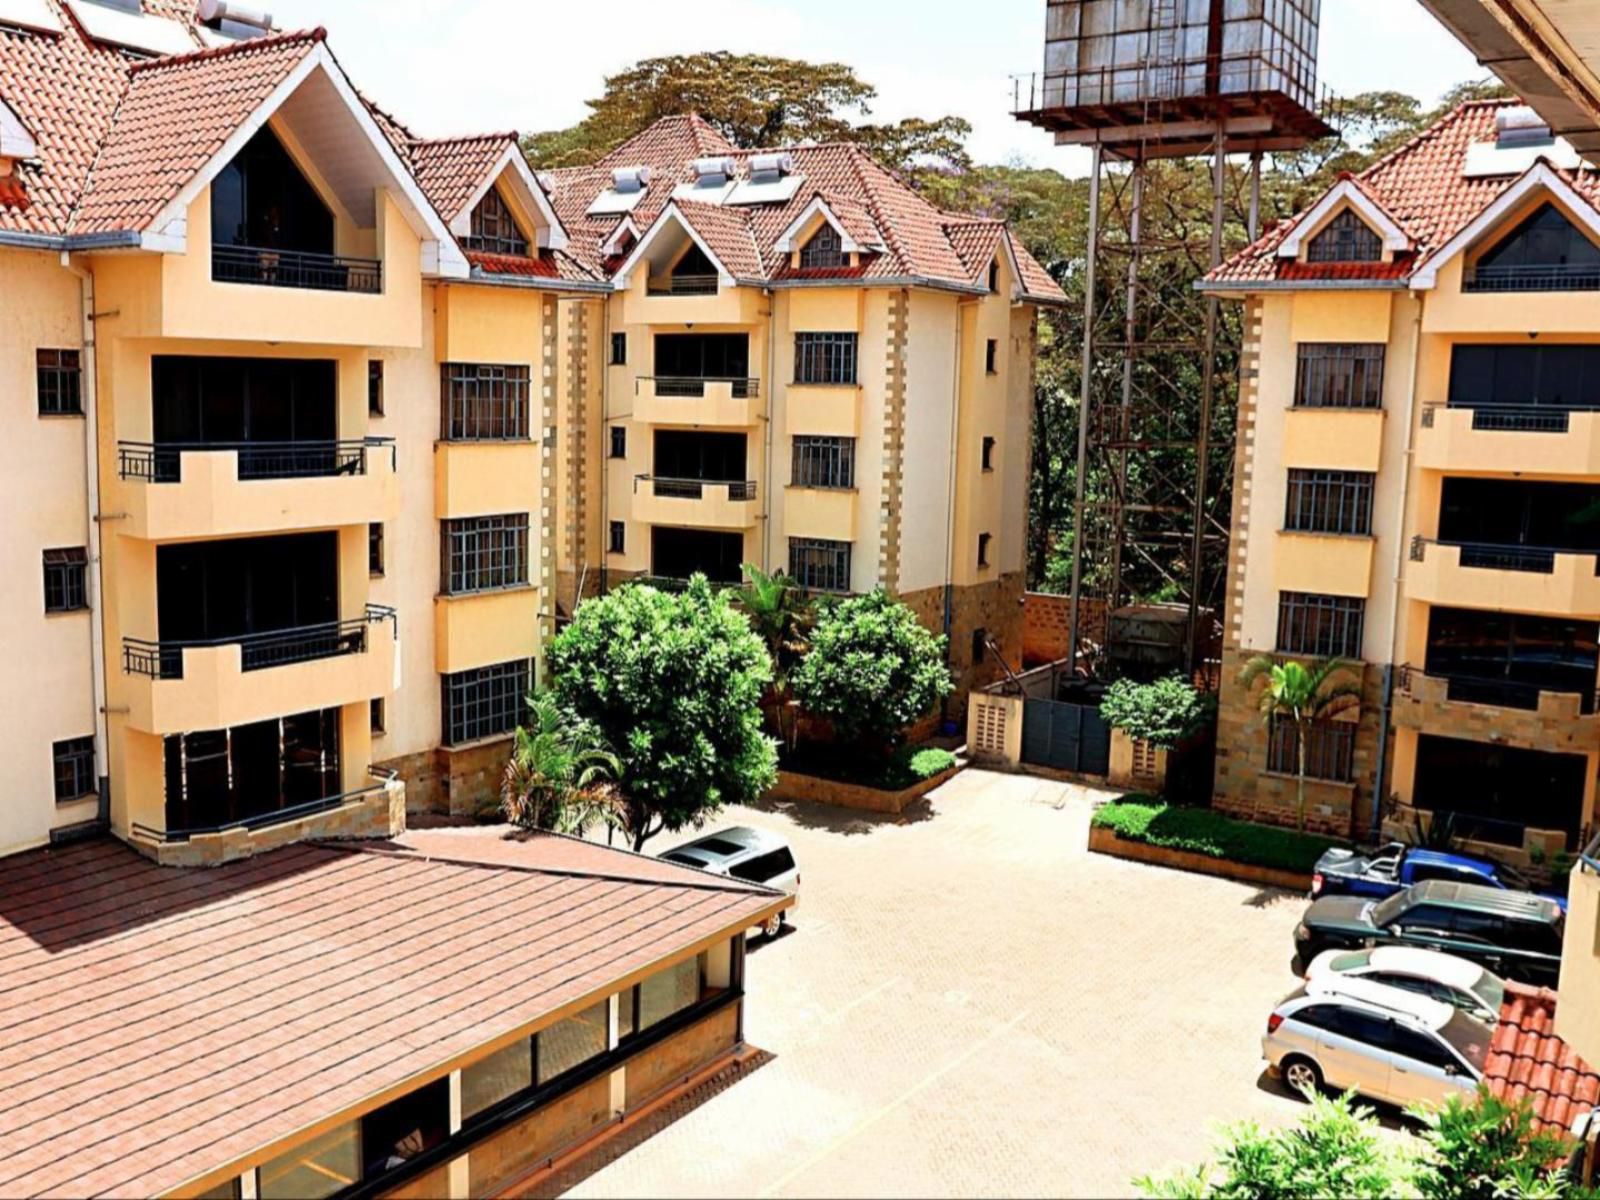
1066, 737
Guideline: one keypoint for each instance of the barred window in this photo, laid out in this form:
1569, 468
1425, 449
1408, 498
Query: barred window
819, 565
1321, 626
825, 249
66, 579
486, 702
1346, 239
1339, 375
825, 358
483, 553
74, 769
1330, 502
824, 462
60, 376
484, 402
1330, 750
494, 231
375, 388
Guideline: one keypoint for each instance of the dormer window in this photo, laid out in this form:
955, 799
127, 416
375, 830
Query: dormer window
494, 230
1546, 253
1346, 239
825, 249
693, 275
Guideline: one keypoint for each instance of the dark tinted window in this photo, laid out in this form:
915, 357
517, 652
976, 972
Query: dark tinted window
1531, 935
716, 845
1361, 1027
765, 867
1419, 1047
1346, 239
1556, 376
1318, 1016
1428, 916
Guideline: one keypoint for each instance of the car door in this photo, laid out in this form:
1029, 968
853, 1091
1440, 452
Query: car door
1352, 1052
1423, 1070
1532, 951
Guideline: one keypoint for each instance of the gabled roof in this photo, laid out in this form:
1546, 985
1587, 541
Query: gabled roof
1348, 191
456, 173
1527, 1061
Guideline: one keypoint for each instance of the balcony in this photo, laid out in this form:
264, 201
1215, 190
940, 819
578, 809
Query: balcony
729, 403
177, 687
296, 269
683, 285
700, 503
1578, 1017
1501, 710
678, 303
172, 491
1506, 438
1555, 277
822, 410
1526, 579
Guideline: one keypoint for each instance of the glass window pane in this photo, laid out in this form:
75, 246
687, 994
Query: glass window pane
625, 1013
667, 992
503, 1074
321, 1167
572, 1042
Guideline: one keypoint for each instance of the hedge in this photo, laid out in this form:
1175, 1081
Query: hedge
905, 768
1201, 831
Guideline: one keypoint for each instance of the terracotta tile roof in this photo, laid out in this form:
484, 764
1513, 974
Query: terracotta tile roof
1422, 187
730, 235
1527, 1061
157, 1024
550, 264
451, 170
12, 193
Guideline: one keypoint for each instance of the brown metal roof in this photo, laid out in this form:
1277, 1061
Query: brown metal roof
158, 1024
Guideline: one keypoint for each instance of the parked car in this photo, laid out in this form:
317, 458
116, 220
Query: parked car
1464, 985
1376, 1040
752, 855
1515, 934
1397, 866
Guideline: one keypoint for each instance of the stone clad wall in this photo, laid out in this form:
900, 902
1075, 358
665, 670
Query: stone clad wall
457, 783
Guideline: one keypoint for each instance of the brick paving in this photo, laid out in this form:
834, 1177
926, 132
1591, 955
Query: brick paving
971, 1004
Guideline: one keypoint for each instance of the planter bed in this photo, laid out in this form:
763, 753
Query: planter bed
797, 784
1206, 842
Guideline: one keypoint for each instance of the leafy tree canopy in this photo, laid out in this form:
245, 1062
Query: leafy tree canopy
1164, 712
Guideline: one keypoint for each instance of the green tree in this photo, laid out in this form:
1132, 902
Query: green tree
780, 613
560, 774
1300, 695
674, 684
1484, 1149
872, 670
1164, 712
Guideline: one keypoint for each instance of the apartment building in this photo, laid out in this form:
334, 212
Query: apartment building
804, 366
1416, 491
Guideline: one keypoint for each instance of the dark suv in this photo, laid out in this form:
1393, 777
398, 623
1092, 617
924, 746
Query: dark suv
1514, 934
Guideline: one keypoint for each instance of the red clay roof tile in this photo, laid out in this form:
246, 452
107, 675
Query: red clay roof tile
1527, 1061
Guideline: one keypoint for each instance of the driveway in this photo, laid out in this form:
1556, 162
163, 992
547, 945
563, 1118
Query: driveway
971, 1004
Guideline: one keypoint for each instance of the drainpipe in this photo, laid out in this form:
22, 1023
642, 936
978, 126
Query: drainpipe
95, 583
769, 397
1381, 779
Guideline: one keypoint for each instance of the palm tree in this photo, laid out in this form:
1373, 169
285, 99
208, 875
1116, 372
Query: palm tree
780, 613
1301, 695
560, 775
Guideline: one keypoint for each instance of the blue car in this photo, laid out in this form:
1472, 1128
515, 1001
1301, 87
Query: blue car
1395, 867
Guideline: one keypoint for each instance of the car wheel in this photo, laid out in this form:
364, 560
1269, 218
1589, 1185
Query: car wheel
773, 926
1301, 1074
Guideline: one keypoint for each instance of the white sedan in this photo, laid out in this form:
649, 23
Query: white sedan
1461, 984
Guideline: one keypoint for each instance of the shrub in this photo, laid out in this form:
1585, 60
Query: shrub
1201, 831
1165, 712
925, 764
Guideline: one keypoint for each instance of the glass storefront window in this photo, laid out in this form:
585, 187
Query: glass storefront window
321, 1167
502, 1075
572, 1042
668, 992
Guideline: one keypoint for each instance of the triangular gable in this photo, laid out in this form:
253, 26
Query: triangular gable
16, 140
1347, 192
614, 242
1539, 177
789, 241
672, 214
512, 166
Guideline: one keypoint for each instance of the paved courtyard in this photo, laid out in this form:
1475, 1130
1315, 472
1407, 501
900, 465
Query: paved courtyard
971, 1004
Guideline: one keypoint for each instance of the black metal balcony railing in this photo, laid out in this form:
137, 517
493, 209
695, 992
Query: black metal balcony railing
1564, 277
150, 462
695, 489
684, 285
1512, 418
259, 651
1487, 556
279, 816
694, 387
296, 269
1497, 692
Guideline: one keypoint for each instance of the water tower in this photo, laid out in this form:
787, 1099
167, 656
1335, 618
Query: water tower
1144, 85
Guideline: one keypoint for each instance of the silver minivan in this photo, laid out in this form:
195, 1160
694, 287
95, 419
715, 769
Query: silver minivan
1385, 1043
752, 855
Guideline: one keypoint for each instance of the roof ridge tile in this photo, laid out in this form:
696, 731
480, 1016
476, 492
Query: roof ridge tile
249, 46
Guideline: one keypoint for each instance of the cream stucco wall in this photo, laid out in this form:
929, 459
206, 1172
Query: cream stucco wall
929, 485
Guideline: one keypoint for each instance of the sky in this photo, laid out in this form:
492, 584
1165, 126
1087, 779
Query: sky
462, 66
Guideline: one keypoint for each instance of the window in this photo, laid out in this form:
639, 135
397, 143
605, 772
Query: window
60, 376
825, 249
1330, 750
1546, 252
1538, 937
983, 548
764, 867
824, 462
825, 358
988, 454
375, 388
378, 717
980, 645
494, 231
819, 565
571, 1043
994, 276
619, 349
1330, 502
1346, 239
1339, 375
490, 1081
485, 702
321, 1167
619, 538
402, 1129
481, 554
66, 573
534, 1061
74, 769
375, 549
484, 402
619, 441
1420, 1047
991, 356
1321, 626
668, 992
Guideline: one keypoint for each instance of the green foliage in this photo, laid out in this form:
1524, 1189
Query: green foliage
1484, 1149
903, 769
781, 615
560, 773
1301, 696
1165, 712
674, 683
925, 764
872, 669
1201, 831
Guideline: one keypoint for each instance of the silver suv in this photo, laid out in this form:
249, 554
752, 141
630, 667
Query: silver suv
752, 855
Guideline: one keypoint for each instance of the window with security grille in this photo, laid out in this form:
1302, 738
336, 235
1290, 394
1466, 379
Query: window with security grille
1330, 502
494, 230
60, 378
825, 357
1339, 375
1330, 750
1320, 626
1346, 239
486, 702
481, 554
484, 402
66, 579
819, 565
74, 769
824, 462
825, 249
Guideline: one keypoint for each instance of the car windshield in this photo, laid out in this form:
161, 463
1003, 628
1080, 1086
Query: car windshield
1491, 990
1353, 961
1390, 910
1468, 1038
688, 860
